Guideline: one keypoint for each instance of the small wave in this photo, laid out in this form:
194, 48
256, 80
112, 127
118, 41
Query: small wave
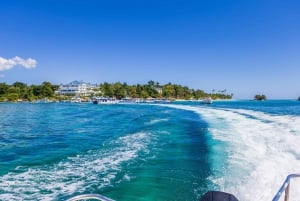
155, 121
75, 174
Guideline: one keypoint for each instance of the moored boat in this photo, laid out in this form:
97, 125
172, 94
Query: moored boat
207, 100
104, 100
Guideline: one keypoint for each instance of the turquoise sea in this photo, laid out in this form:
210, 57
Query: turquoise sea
175, 151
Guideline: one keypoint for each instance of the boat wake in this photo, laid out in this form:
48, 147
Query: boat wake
251, 152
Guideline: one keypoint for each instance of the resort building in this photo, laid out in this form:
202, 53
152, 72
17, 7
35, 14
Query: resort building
76, 88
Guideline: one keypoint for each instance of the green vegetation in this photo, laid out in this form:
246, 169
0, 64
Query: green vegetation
19, 91
155, 90
260, 97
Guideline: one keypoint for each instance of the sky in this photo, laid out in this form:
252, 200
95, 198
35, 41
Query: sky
247, 47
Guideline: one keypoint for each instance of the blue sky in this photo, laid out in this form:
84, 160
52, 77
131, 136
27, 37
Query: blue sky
246, 47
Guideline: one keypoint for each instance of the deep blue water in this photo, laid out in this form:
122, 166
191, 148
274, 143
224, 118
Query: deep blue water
172, 151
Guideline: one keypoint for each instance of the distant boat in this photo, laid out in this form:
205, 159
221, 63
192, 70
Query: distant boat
128, 100
207, 101
103, 100
75, 100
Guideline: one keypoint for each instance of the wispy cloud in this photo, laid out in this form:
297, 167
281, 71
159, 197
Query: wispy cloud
6, 64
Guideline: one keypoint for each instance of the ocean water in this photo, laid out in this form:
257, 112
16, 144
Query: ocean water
149, 152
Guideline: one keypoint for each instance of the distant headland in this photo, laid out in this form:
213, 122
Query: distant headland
21, 92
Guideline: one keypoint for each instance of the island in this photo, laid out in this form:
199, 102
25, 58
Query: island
259, 97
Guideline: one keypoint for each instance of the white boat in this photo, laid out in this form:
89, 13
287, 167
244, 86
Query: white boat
103, 100
207, 101
75, 100
129, 100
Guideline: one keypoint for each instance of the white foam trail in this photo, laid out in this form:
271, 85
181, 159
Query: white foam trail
75, 174
155, 121
261, 150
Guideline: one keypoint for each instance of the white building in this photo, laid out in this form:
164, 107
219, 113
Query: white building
75, 88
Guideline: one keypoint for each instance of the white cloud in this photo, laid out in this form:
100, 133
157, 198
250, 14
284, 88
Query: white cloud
6, 64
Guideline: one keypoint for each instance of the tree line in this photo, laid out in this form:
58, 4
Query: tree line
21, 91
155, 90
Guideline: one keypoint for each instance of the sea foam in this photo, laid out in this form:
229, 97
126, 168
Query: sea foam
260, 150
75, 174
